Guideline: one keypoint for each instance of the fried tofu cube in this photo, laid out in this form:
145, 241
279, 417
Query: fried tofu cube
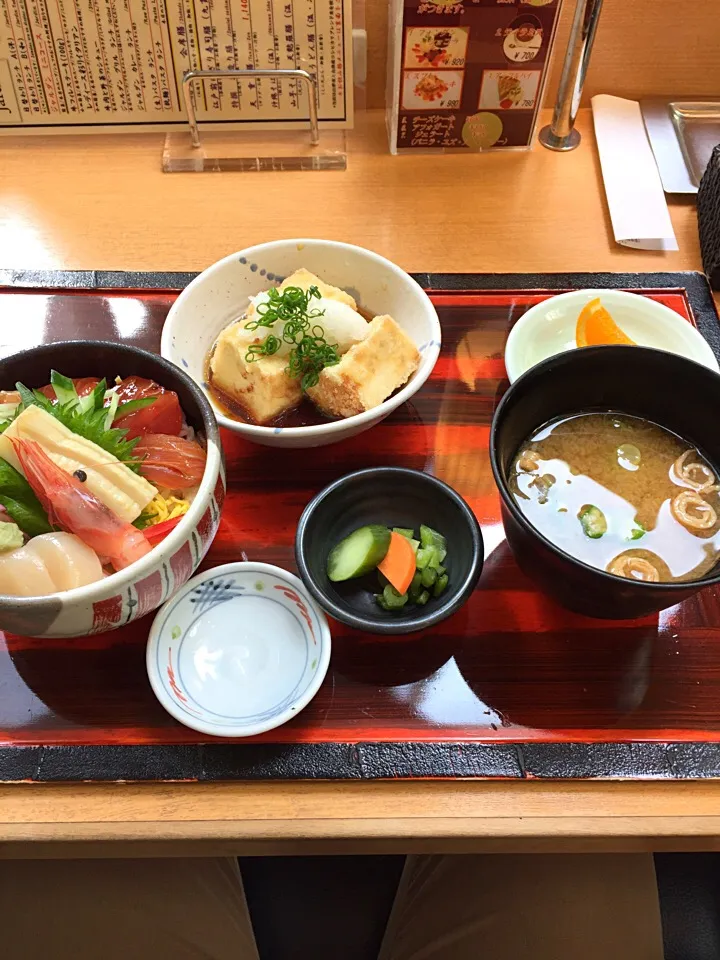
369, 372
304, 279
262, 387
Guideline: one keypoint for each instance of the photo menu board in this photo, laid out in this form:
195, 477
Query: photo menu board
467, 74
84, 64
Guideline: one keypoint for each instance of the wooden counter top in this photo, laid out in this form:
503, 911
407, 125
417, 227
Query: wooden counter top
103, 203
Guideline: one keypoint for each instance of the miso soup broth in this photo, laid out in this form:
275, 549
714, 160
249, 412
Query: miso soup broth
621, 494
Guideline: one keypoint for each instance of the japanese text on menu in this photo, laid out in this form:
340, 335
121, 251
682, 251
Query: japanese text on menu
106, 62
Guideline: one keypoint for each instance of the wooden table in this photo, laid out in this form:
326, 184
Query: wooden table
103, 203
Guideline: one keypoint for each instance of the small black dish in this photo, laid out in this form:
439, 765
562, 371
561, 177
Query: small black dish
669, 390
397, 497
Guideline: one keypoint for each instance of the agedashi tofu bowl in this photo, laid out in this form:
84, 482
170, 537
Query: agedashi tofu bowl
301, 343
111, 485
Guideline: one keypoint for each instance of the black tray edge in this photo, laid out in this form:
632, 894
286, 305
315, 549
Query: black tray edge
361, 761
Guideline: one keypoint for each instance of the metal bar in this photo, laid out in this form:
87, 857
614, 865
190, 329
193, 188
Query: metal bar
302, 75
561, 133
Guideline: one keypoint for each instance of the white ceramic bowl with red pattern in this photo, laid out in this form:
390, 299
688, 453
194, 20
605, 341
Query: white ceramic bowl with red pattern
145, 585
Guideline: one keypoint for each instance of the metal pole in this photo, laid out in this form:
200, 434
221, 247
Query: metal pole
302, 75
561, 134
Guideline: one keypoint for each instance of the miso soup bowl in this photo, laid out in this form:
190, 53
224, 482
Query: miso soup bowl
669, 390
143, 586
221, 294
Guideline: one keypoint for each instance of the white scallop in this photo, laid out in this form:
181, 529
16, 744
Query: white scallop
69, 561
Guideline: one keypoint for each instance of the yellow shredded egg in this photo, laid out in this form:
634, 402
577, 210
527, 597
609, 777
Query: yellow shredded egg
165, 506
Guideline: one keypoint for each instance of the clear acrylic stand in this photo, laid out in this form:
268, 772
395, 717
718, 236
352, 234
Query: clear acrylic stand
256, 150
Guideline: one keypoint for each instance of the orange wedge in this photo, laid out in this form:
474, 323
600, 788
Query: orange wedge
595, 326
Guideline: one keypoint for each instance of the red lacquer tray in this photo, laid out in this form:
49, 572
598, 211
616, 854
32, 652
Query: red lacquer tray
512, 686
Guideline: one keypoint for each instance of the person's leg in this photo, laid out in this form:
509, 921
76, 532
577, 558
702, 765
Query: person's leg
510, 906
174, 909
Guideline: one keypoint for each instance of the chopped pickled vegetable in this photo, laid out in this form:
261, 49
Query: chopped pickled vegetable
409, 570
440, 585
416, 586
423, 557
431, 538
398, 564
393, 599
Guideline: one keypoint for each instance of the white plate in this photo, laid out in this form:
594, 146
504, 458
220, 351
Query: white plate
239, 650
548, 328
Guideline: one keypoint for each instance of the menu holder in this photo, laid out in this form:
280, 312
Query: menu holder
253, 151
467, 75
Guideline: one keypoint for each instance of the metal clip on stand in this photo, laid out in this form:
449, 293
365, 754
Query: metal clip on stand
254, 150
561, 134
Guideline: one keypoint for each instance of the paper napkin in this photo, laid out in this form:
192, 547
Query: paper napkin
634, 191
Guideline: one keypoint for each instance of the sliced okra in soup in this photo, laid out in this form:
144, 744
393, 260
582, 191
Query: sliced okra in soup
593, 521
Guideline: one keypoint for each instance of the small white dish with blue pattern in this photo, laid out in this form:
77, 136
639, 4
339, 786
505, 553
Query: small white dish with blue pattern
241, 649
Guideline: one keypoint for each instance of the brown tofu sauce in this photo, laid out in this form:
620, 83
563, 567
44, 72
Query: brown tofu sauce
305, 414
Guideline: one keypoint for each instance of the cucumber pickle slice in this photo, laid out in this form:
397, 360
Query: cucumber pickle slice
359, 553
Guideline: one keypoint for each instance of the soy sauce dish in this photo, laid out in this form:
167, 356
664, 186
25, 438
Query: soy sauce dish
241, 649
389, 550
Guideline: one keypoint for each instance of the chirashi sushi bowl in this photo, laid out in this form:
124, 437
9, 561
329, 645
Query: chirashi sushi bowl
111, 485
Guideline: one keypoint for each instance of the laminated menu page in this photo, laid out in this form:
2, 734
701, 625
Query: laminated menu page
467, 74
82, 65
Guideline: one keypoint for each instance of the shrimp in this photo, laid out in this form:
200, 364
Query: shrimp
69, 504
